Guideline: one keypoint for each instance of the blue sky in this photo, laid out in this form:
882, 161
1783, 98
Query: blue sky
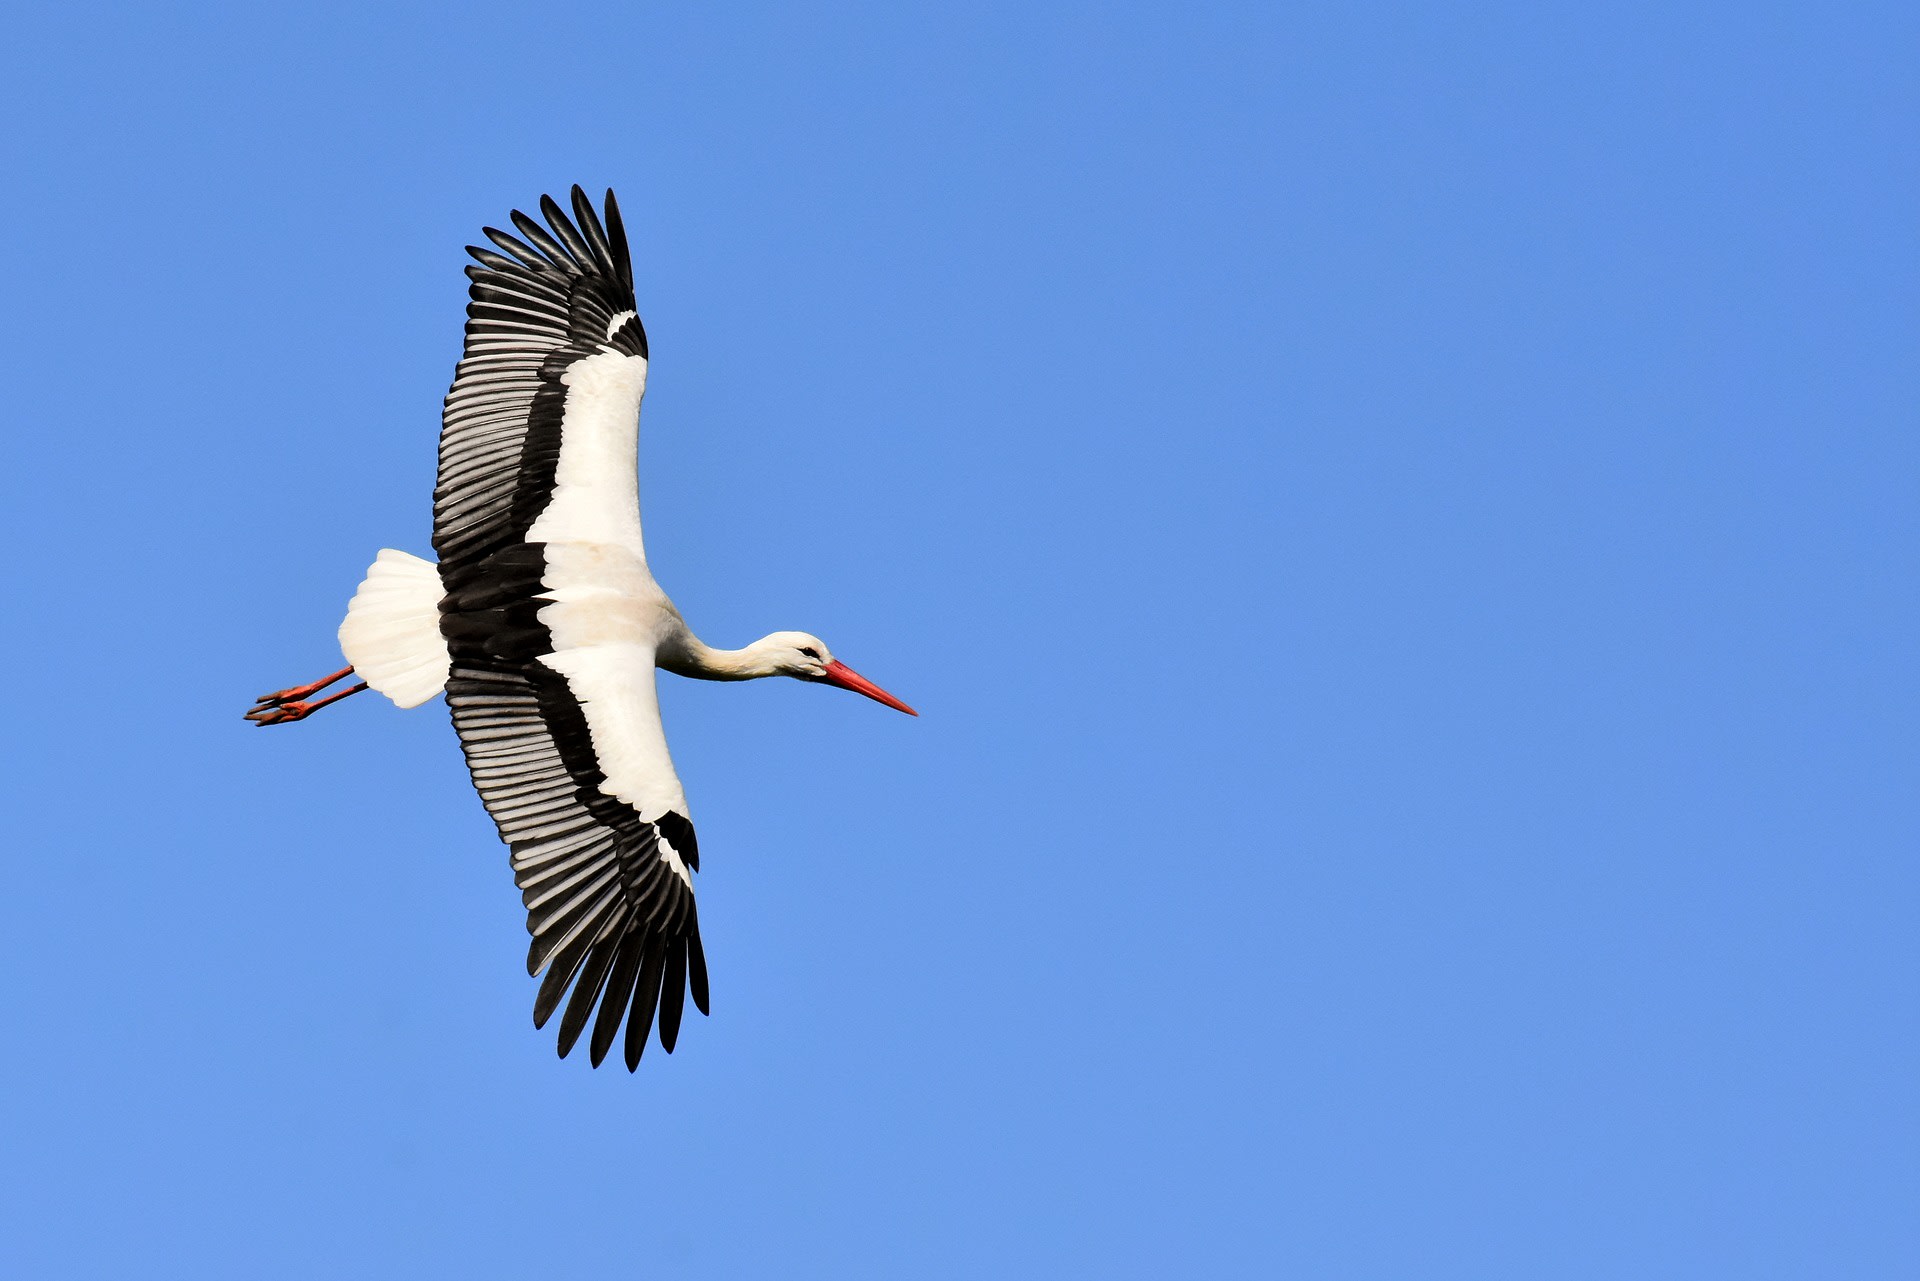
1400, 522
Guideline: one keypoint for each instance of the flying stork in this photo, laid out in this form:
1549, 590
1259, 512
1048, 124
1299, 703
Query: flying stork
543, 624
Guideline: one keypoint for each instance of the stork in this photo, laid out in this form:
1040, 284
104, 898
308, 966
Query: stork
543, 625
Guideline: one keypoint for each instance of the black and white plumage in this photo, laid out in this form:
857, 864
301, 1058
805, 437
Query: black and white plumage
543, 625
608, 890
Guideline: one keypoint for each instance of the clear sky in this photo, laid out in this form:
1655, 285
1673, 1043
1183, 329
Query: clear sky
1400, 519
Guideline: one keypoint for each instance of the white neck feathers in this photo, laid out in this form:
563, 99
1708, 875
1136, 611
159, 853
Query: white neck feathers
688, 655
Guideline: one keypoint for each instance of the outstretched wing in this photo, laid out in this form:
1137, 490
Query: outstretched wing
536, 520
537, 309
609, 894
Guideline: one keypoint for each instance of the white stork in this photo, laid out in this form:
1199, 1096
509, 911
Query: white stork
543, 625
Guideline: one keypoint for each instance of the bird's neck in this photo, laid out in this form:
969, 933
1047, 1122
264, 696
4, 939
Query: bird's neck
687, 655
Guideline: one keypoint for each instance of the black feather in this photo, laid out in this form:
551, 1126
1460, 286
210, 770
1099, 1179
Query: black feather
630, 338
550, 921
626, 968
697, 968
675, 924
537, 237
561, 972
652, 892
516, 281
585, 992
646, 994
589, 223
617, 236
524, 253
564, 229
496, 261
678, 830
515, 309
673, 993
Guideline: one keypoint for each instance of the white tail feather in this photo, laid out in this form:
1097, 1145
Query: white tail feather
391, 633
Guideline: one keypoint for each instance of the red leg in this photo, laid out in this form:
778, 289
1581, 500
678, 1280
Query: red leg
289, 705
304, 691
287, 713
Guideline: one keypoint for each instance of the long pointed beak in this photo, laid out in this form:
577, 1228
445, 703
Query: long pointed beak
838, 673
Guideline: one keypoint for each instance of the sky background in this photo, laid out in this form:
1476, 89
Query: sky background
1401, 523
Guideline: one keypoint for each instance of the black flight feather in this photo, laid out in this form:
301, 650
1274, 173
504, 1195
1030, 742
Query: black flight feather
646, 994
617, 237
538, 237
626, 968
593, 975
497, 262
524, 253
596, 237
564, 229
673, 993
697, 967
559, 974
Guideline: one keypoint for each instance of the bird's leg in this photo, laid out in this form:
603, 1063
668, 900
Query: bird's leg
286, 705
286, 713
304, 691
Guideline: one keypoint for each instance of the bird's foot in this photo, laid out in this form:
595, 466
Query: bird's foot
268, 713
299, 692
283, 707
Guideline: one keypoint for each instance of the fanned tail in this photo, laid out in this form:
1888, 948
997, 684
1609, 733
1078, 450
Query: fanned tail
391, 633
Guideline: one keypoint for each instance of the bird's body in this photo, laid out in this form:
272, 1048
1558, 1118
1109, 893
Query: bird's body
543, 624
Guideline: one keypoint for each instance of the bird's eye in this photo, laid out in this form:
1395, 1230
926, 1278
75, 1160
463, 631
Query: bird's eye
809, 651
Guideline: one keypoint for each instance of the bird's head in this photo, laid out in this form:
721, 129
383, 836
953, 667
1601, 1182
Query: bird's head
806, 657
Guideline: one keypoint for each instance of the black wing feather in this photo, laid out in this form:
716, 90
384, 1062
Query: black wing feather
586, 992
619, 993
646, 995
673, 990
595, 236
568, 236
541, 239
527, 256
617, 237
559, 973
697, 969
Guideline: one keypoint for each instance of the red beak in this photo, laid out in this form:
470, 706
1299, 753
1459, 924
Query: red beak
838, 673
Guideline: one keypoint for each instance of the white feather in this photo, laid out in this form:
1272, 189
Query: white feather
596, 492
614, 686
391, 633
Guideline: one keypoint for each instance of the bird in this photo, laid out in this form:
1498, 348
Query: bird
542, 624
